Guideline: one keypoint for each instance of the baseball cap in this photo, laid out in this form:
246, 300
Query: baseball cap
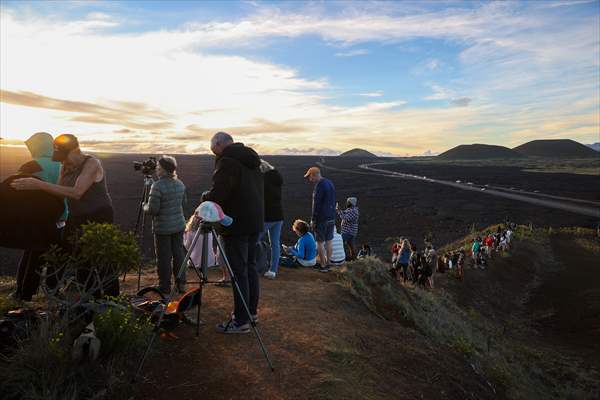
312, 171
63, 144
212, 212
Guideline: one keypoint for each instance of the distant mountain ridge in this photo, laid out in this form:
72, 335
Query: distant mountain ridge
479, 152
555, 148
594, 146
358, 153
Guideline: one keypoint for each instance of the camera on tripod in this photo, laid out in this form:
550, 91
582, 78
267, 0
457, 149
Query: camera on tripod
147, 166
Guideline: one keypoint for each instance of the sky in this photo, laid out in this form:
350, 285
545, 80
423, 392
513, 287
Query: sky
316, 77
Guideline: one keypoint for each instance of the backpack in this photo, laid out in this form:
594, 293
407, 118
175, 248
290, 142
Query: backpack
263, 257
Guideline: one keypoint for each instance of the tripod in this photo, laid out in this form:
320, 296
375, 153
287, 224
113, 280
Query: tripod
204, 229
140, 223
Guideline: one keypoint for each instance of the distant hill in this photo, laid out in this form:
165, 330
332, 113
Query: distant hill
479, 152
555, 148
594, 146
358, 153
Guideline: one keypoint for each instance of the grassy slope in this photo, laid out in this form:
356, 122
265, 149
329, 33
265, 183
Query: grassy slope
485, 319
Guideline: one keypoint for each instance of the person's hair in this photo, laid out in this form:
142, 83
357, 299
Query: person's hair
173, 161
265, 166
300, 226
222, 137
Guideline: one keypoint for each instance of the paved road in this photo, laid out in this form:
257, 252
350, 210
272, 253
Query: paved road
556, 202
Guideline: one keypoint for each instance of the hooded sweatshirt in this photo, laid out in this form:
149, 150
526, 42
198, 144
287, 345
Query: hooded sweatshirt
41, 146
238, 188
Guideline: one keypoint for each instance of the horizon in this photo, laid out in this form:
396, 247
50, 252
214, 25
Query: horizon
300, 78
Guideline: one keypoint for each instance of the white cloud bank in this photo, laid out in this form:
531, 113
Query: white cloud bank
168, 87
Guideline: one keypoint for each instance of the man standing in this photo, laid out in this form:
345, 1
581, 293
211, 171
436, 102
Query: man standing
238, 188
323, 215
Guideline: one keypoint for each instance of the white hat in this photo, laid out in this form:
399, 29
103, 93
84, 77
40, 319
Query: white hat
209, 211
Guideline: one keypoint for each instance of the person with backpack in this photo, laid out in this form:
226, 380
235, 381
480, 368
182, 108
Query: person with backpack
349, 217
165, 204
273, 183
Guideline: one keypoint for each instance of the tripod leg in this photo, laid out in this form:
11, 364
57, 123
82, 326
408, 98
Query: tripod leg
164, 309
140, 211
143, 233
237, 287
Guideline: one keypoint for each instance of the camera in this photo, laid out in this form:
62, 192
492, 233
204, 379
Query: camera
147, 166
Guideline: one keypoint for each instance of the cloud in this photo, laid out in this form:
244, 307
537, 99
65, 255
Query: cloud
130, 114
461, 102
186, 81
352, 53
377, 93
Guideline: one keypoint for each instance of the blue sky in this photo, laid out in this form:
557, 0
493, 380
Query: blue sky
402, 78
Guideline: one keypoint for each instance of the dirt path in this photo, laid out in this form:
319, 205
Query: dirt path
324, 343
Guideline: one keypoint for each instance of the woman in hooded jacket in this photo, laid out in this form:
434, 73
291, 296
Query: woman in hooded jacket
40, 146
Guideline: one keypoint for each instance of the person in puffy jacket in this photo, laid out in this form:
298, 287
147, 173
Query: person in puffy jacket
165, 203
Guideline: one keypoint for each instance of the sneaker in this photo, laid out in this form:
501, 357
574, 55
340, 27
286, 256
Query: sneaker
324, 269
270, 275
232, 327
255, 318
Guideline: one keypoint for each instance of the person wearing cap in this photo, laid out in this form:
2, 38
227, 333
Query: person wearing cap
323, 214
40, 146
166, 203
238, 187
349, 218
82, 182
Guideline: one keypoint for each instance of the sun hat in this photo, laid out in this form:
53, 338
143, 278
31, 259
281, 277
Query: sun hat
63, 144
210, 211
312, 171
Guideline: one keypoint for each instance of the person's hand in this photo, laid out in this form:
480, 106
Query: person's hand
26, 184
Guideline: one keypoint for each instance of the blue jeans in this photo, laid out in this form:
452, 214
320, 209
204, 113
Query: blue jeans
274, 231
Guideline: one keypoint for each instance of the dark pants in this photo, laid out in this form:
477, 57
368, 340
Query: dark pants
169, 257
241, 253
85, 273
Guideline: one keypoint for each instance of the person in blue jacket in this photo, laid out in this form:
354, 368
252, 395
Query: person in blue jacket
323, 215
304, 252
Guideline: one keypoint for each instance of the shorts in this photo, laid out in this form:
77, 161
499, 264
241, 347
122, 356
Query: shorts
349, 239
324, 231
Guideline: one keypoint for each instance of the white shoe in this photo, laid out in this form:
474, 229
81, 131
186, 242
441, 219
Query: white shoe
270, 275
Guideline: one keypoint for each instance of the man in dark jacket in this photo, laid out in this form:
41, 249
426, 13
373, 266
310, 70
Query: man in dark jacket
238, 188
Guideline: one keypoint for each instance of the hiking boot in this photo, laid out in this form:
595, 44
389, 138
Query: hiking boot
232, 327
270, 275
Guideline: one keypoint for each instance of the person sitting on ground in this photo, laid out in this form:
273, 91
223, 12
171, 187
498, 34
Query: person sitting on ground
304, 252
338, 254
165, 203
323, 215
365, 251
349, 218
83, 183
